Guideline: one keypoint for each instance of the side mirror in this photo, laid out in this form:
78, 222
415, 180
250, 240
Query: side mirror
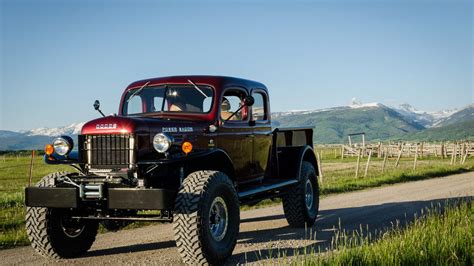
249, 100
96, 105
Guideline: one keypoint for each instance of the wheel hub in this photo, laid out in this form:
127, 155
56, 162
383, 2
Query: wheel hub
309, 194
72, 228
218, 219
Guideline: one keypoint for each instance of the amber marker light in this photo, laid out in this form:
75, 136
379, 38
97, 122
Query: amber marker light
48, 149
187, 147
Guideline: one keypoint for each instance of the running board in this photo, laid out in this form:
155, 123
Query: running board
265, 188
131, 219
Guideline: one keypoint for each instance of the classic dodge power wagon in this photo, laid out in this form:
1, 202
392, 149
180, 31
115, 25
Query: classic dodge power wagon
192, 149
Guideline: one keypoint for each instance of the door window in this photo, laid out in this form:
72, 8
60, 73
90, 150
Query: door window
230, 105
259, 112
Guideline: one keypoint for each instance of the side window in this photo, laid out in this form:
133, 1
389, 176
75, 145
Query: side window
157, 103
259, 112
230, 103
135, 105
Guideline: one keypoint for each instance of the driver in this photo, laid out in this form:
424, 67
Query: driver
226, 110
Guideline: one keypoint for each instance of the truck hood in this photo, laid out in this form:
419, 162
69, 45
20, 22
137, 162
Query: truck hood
141, 125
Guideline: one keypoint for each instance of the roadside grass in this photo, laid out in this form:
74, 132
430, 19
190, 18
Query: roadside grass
440, 236
338, 177
14, 174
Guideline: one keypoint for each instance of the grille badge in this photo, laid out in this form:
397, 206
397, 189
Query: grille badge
106, 126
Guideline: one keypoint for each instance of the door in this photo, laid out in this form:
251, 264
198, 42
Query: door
235, 136
262, 131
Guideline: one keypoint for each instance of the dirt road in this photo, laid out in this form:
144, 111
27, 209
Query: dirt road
264, 232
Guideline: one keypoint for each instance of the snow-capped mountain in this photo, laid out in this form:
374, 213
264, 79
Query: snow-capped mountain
72, 129
424, 118
386, 120
427, 119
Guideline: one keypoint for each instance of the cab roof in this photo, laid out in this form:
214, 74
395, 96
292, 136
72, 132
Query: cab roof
218, 82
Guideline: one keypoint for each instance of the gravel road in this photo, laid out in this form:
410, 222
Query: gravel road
264, 232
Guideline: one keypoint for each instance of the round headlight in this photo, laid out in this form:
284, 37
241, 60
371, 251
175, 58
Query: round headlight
162, 142
62, 146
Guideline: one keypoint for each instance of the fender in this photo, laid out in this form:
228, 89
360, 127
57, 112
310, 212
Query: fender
290, 160
71, 158
307, 154
214, 159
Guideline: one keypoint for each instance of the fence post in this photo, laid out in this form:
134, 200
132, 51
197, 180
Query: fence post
421, 150
379, 150
465, 154
416, 158
398, 157
320, 168
368, 163
31, 167
384, 159
358, 162
453, 156
342, 152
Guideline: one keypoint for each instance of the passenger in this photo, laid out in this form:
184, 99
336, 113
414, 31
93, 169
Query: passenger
176, 104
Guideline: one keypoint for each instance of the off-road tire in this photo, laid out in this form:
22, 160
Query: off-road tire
294, 202
193, 236
45, 231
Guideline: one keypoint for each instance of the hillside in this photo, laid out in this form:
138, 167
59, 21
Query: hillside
455, 131
464, 115
22, 142
333, 125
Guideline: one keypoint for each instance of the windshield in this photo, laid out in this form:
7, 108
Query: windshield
170, 98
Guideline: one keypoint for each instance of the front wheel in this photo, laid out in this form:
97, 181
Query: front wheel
206, 218
53, 233
301, 203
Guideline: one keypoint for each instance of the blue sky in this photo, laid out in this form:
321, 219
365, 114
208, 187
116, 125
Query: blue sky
57, 57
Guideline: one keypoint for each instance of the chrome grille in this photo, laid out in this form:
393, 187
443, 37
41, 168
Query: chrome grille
109, 151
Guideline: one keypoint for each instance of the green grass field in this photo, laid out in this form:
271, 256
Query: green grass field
441, 236
338, 177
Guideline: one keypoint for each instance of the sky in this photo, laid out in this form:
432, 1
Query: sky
57, 57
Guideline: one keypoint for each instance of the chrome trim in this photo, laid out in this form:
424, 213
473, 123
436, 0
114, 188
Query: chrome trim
89, 151
132, 151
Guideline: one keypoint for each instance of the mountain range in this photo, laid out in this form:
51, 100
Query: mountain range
331, 125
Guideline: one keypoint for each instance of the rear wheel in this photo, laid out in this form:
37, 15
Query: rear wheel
301, 203
53, 233
206, 218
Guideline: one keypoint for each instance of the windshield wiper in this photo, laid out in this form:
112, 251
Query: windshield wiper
164, 98
197, 88
137, 91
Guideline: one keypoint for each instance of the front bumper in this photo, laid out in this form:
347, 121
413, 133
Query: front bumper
113, 198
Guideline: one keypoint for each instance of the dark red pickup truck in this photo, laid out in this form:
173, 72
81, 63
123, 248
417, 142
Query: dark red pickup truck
192, 149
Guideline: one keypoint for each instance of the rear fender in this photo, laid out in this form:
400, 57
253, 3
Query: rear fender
290, 160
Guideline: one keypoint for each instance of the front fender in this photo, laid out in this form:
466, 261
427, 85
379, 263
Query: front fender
212, 159
71, 158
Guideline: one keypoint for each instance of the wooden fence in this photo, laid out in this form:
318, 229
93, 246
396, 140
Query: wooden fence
458, 150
